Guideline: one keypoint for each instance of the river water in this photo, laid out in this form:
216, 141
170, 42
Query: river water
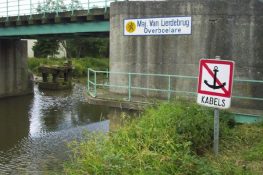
35, 129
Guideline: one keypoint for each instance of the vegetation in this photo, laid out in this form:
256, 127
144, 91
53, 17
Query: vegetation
52, 6
174, 138
80, 65
45, 48
75, 48
87, 47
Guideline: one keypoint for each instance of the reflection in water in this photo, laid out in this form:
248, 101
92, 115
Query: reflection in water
34, 130
14, 122
36, 154
53, 111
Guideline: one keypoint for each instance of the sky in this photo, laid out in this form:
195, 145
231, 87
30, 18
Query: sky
25, 6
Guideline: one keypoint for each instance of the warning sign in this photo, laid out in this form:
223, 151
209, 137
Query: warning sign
215, 83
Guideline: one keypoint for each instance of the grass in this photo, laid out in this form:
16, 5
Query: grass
80, 65
241, 151
173, 138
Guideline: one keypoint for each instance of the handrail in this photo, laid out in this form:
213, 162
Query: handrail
169, 89
93, 84
12, 8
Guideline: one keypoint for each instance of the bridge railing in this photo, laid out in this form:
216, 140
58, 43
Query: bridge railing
99, 86
18, 8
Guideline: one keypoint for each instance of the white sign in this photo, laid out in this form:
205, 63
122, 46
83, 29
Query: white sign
158, 26
215, 83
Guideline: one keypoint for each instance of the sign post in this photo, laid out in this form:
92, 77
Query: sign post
215, 84
216, 125
216, 131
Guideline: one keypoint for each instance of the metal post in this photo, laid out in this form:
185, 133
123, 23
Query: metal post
95, 84
129, 86
72, 10
88, 81
107, 73
105, 6
88, 7
18, 10
216, 130
56, 8
169, 88
216, 126
30, 9
7, 18
44, 8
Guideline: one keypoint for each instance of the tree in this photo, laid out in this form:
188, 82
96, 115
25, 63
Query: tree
84, 47
44, 48
51, 6
75, 5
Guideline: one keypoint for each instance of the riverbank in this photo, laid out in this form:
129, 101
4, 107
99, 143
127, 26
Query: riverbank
173, 138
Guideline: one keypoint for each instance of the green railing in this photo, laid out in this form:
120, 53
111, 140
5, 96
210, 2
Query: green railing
100, 80
129, 85
18, 8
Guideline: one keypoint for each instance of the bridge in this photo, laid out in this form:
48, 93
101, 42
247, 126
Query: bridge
28, 19
230, 29
34, 19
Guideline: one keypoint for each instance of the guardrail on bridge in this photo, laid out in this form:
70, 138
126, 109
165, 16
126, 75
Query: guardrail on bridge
18, 8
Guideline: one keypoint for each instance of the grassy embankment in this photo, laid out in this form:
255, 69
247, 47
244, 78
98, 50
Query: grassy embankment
80, 65
173, 138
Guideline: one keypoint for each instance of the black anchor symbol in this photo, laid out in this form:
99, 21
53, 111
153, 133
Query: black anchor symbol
214, 85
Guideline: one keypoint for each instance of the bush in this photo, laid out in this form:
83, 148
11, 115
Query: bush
165, 140
80, 65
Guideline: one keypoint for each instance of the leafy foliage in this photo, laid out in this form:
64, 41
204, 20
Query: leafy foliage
80, 65
166, 140
44, 48
87, 47
75, 48
51, 6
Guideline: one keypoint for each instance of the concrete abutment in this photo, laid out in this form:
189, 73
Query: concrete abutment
231, 29
15, 78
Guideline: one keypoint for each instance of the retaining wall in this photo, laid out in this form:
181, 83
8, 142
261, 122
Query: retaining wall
232, 29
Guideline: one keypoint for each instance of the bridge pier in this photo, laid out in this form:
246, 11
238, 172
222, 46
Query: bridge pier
15, 79
231, 29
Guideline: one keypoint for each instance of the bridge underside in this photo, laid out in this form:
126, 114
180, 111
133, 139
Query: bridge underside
56, 30
96, 22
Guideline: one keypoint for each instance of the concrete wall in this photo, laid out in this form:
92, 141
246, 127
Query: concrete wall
14, 76
30, 44
232, 29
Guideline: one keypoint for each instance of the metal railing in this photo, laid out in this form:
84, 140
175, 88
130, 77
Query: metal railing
100, 80
18, 8
93, 90
92, 86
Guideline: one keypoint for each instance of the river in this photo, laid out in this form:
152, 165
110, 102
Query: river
35, 129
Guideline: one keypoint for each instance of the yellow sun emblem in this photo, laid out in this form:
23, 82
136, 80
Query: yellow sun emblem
130, 27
